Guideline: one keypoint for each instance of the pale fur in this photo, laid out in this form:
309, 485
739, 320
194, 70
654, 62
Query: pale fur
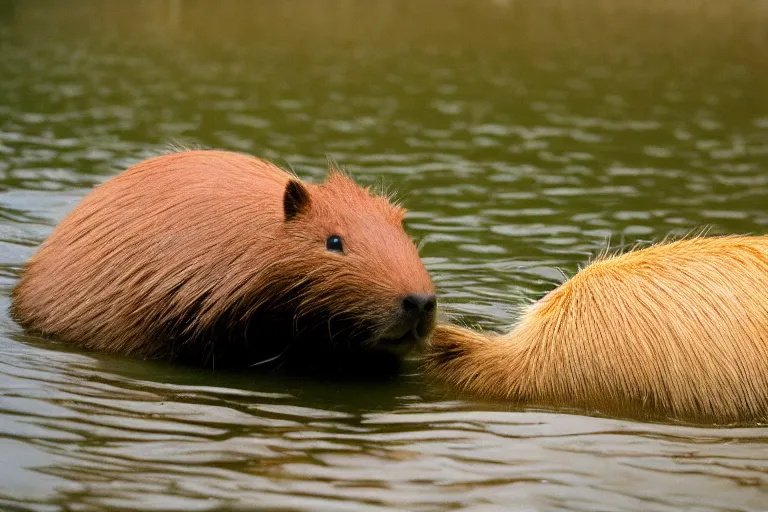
679, 329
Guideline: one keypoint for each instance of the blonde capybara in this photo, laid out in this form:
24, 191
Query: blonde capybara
219, 258
677, 330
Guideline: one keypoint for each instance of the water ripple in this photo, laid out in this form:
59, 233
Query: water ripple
521, 143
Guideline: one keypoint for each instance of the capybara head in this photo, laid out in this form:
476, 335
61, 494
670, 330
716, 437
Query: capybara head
358, 276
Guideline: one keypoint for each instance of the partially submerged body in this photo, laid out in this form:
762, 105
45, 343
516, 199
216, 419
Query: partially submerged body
221, 258
675, 330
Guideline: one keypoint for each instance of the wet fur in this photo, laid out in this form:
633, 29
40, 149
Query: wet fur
189, 256
678, 329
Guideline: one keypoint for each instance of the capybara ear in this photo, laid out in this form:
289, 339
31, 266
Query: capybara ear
295, 200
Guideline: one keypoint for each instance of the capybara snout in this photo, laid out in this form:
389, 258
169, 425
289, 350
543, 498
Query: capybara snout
419, 304
412, 321
367, 265
218, 257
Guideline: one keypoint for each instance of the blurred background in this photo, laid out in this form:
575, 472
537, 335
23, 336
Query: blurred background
524, 137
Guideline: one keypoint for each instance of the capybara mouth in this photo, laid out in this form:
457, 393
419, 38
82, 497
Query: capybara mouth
404, 337
400, 345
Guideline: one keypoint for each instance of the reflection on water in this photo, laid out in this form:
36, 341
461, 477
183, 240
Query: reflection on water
522, 137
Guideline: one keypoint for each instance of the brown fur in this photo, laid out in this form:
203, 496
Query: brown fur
678, 329
192, 255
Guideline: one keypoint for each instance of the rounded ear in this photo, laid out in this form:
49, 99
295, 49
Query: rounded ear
295, 199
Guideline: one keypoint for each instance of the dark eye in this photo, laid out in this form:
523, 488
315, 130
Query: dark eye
334, 244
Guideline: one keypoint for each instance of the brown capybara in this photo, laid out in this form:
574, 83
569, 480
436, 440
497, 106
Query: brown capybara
676, 330
220, 258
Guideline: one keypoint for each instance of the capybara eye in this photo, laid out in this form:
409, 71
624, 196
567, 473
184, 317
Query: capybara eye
334, 244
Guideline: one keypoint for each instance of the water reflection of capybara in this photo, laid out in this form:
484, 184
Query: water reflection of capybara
678, 329
221, 258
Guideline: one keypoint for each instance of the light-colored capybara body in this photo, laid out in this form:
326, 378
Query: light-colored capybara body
222, 258
676, 330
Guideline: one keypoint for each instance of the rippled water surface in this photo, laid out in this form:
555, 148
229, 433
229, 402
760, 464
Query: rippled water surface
523, 138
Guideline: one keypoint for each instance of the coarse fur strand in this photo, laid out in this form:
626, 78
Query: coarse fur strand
676, 330
191, 255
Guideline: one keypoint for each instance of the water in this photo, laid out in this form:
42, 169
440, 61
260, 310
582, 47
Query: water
523, 137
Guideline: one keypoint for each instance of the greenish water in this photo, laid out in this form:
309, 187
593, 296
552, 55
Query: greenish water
523, 137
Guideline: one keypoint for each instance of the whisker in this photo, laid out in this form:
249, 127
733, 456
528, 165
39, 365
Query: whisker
273, 358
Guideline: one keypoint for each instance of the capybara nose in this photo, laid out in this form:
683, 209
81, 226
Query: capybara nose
419, 304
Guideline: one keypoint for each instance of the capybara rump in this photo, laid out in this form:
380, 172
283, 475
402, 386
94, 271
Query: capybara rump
677, 330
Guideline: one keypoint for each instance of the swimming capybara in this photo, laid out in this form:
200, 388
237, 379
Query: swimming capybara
676, 330
221, 258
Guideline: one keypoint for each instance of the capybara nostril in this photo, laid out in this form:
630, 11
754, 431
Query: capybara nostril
421, 303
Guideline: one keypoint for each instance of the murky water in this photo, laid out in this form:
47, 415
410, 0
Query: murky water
523, 137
